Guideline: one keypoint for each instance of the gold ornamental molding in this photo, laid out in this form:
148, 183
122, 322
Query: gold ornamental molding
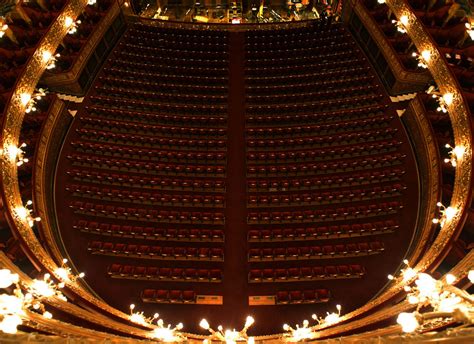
15, 114
58, 79
399, 71
430, 146
11, 127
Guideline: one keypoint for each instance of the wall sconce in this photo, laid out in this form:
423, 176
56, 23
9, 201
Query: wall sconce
229, 336
91, 2
65, 274
15, 302
435, 300
25, 213
71, 25
455, 154
469, 29
3, 28
446, 214
15, 154
29, 100
422, 58
444, 100
50, 59
402, 23
161, 332
299, 333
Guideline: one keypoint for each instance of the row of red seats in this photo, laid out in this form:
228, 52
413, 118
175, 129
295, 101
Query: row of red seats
309, 118
327, 168
154, 233
168, 296
297, 97
315, 252
138, 166
327, 105
157, 182
211, 109
349, 151
322, 232
306, 65
329, 197
325, 182
165, 274
199, 52
328, 214
194, 200
149, 153
355, 137
147, 214
306, 273
300, 91
143, 35
167, 78
124, 115
181, 34
144, 140
322, 54
302, 296
258, 44
165, 97
324, 33
131, 127
189, 88
342, 127
280, 75
133, 62
156, 252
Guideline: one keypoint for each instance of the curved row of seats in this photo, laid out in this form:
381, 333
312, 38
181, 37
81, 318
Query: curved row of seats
156, 252
164, 274
322, 232
151, 233
306, 273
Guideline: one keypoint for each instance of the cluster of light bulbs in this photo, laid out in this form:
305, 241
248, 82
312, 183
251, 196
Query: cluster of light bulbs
306, 332
25, 213
446, 214
29, 100
229, 336
455, 154
71, 25
161, 332
20, 297
401, 24
3, 27
422, 58
444, 100
469, 30
49, 59
444, 300
15, 154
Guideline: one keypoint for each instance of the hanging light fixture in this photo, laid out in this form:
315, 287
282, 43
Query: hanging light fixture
160, 332
435, 300
229, 336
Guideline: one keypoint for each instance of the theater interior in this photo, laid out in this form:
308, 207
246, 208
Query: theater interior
236, 172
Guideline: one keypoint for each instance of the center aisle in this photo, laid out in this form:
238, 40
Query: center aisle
235, 262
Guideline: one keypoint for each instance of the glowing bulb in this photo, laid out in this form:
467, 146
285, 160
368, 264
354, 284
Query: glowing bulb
404, 19
62, 273
450, 213
204, 324
426, 54
413, 300
68, 21
286, 327
251, 340
249, 321
7, 278
381, 1
448, 98
46, 55
25, 98
450, 279
47, 315
470, 276
22, 212
459, 151
10, 323
408, 322
408, 274
42, 288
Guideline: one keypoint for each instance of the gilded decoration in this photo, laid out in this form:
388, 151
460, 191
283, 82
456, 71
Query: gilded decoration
461, 194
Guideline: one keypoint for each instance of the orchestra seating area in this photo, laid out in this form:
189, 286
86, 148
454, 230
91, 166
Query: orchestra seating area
329, 189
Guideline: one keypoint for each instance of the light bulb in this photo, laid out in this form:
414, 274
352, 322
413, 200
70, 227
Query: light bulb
204, 324
448, 98
408, 322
